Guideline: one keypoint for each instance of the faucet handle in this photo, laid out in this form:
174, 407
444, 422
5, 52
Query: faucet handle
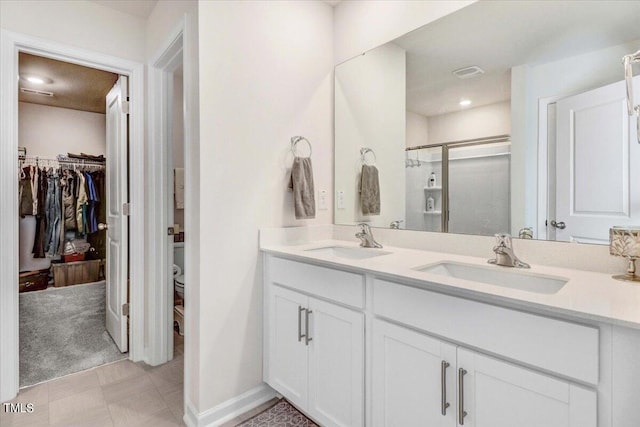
503, 240
364, 228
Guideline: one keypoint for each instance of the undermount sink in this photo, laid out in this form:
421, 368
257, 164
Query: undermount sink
498, 276
348, 252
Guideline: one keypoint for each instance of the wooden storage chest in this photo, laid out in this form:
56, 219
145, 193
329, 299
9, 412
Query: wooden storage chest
75, 273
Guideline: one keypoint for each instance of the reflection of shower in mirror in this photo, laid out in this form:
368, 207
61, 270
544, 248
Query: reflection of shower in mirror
628, 60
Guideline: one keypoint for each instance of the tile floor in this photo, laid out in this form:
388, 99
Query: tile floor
119, 394
123, 394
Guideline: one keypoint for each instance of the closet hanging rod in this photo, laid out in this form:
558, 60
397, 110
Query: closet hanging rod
62, 160
475, 141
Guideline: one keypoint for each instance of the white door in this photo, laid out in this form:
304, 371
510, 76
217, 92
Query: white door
288, 361
498, 394
598, 181
117, 232
336, 365
413, 378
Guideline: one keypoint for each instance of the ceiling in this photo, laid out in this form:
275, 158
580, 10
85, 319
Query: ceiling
139, 8
498, 35
73, 86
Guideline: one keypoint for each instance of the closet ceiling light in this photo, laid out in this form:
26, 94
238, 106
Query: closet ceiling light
465, 102
37, 80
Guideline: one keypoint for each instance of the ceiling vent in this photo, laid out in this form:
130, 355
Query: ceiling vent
35, 92
468, 72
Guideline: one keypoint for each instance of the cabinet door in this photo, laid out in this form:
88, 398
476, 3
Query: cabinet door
288, 362
410, 381
499, 394
336, 365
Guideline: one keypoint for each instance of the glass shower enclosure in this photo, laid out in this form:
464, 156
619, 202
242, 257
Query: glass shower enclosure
459, 187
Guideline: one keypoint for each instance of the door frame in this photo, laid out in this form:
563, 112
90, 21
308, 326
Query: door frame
161, 68
541, 231
11, 44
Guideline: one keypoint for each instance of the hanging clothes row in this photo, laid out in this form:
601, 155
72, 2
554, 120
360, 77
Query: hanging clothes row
63, 197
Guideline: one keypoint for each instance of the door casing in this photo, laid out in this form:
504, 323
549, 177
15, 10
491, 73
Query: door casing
11, 44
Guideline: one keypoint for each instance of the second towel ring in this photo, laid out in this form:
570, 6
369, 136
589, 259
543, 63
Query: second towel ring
363, 153
294, 143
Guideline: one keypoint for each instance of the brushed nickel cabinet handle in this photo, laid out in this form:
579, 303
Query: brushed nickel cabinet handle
300, 334
307, 338
443, 387
461, 411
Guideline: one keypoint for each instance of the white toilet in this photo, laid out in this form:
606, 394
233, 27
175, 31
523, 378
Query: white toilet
178, 285
178, 281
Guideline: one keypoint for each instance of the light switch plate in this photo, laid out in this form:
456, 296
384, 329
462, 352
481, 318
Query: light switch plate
322, 200
340, 199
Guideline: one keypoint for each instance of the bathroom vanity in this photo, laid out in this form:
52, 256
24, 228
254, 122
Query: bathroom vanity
403, 337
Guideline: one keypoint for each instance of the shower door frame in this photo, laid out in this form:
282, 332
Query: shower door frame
445, 147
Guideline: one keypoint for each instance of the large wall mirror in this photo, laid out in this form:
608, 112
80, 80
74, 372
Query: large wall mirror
501, 117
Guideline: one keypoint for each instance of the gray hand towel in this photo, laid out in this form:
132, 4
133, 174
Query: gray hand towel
369, 190
301, 182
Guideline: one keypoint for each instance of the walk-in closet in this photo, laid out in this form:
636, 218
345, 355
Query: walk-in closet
62, 130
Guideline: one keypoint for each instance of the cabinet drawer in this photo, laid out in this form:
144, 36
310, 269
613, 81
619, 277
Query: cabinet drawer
558, 346
341, 286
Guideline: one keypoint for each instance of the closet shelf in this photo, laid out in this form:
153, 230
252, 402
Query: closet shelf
432, 212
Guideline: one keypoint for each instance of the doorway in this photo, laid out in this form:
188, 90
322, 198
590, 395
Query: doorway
69, 116
12, 45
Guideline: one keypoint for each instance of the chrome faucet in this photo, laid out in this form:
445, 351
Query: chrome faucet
504, 253
396, 224
366, 236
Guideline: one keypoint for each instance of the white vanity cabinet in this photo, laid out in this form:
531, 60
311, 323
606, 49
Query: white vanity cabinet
314, 349
337, 337
421, 380
413, 381
493, 393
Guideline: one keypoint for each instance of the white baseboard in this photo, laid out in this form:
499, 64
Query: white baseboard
230, 409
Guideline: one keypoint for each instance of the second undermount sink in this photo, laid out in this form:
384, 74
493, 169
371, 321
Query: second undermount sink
499, 276
348, 252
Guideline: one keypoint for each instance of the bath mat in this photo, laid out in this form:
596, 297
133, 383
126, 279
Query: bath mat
281, 414
62, 331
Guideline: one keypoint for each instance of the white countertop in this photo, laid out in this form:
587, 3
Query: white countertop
586, 295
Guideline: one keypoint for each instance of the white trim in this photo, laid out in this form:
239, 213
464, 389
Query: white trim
541, 231
12, 43
160, 290
230, 409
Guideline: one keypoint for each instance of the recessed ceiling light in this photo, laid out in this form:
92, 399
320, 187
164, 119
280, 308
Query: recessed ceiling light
36, 80
465, 102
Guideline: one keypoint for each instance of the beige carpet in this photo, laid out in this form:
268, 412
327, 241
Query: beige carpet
62, 331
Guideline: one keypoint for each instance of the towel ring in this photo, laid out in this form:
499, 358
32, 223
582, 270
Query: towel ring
363, 153
294, 143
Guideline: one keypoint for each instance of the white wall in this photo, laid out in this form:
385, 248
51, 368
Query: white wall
370, 102
48, 131
478, 122
417, 129
79, 23
529, 84
361, 25
266, 75
166, 16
